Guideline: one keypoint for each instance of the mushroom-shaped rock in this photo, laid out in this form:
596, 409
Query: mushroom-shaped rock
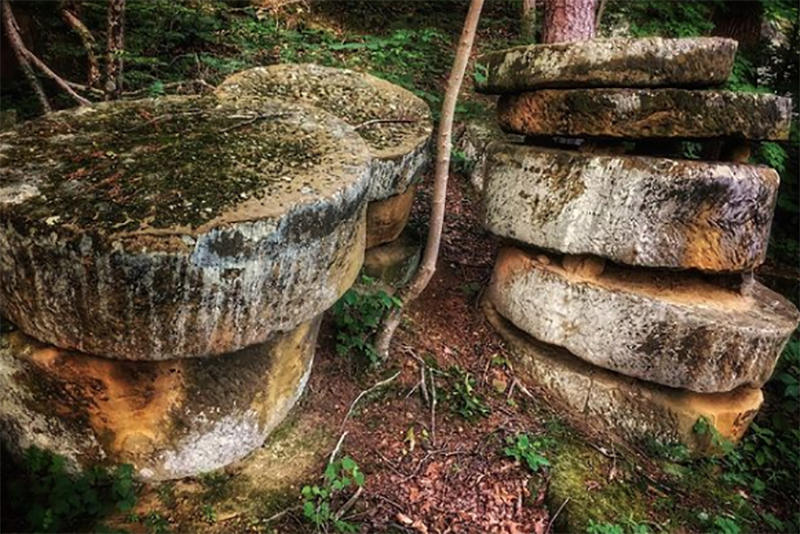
395, 123
618, 62
161, 229
635, 410
169, 419
645, 211
675, 329
645, 113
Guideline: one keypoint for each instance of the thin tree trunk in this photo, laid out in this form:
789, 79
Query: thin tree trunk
88, 41
599, 18
114, 47
15, 40
568, 20
443, 146
529, 20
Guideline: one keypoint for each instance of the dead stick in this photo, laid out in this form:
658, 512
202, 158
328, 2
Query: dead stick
336, 449
365, 392
433, 409
553, 520
383, 121
349, 504
12, 32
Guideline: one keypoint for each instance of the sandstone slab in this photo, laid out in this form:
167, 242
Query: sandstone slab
473, 142
394, 263
169, 419
675, 329
634, 410
386, 218
395, 123
621, 62
179, 227
646, 113
653, 212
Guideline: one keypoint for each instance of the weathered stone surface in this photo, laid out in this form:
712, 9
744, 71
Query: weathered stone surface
172, 228
632, 409
676, 329
644, 113
473, 142
394, 263
386, 218
621, 62
169, 419
645, 211
395, 123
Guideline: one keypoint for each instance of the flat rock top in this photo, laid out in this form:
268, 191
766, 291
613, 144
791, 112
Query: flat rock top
623, 62
177, 164
646, 113
365, 102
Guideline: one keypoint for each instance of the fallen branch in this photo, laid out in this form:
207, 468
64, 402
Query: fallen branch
89, 44
12, 32
337, 448
443, 146
433, 409
349, 504
383, 121
366, 392
553, 520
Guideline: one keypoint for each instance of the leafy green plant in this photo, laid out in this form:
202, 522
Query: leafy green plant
463, 397
726, 525
603, 528
53, 500
209, 514
529, 451
156, 523
357, 316
317, 500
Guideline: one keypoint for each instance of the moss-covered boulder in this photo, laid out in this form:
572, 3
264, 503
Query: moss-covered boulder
178, 227
675, 329
169, 419
386, 218
653, 212
624, 408
395, 123
646, 113
620, 62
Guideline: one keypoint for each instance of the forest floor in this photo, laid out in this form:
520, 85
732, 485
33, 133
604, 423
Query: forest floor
444, 468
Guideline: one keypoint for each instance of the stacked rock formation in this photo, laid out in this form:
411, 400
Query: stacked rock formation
165, 266
625, 290
397, 127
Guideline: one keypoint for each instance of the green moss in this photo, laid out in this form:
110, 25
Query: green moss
157, 164
576, 469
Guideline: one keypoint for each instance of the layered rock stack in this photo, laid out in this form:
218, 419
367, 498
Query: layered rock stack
625, 291
165, 266
397, 127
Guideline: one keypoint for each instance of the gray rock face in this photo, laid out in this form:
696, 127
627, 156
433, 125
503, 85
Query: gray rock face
168, 419
634, 410
648, 62
178, 227
675, 329
395, 123
645, 113
473, 143
644, 211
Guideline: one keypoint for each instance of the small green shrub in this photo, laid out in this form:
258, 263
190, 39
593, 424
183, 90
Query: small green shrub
53, 500
357, 317
525, 450
317, 500
462, 396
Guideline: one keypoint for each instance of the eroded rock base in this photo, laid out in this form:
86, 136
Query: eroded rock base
386, 218
633, 410
169, 419
394, 263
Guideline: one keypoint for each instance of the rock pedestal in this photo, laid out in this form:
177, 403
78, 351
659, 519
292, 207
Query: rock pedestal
167, 263
622, 293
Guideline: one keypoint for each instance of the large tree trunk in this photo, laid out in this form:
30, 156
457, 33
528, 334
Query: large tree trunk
15, 40
568, 20
442, 170
114, 47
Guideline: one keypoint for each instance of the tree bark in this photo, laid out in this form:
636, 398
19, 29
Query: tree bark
443, 146
114, 47
88, 41
568, 20
15, 40
529, 20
